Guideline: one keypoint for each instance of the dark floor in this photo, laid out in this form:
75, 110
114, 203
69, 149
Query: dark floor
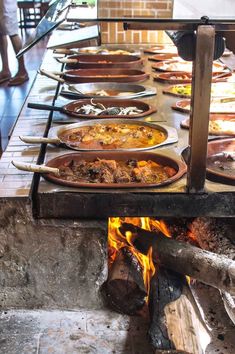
12, 98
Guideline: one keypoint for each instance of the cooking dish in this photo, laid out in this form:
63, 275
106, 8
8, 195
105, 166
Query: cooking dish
218, 105
164, 57
221, 160
127, 135
182, 66
107, 90
183, 77
106, 108
101, 61
104, 50
162, 49
95, 75
221, 89
219, 124
135, 170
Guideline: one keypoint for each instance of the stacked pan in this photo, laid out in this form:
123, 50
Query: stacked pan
171, 69
113, 149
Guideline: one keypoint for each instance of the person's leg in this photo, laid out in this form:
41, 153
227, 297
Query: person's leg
5, 72
17, 45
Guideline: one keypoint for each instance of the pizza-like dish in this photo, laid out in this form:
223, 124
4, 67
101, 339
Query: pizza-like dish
222, 89
219, 124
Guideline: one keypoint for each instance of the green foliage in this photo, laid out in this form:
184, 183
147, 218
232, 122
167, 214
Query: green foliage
89, 2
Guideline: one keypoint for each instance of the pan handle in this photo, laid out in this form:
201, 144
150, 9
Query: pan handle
44, 107
67, 60
35, 168
64, 51
39, 140
51, 75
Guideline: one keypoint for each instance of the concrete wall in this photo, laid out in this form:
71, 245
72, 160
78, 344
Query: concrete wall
50, 263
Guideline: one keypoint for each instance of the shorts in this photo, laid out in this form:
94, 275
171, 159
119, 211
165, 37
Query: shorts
9, 24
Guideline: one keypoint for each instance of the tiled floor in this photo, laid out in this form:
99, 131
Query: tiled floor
12, 98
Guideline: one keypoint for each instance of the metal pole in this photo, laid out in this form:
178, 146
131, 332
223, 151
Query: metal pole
200, 103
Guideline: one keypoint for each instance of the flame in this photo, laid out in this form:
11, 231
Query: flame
116, 241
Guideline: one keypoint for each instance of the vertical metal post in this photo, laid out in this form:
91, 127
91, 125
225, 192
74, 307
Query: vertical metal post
200, 102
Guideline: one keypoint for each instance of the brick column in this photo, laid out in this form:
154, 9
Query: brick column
114, 33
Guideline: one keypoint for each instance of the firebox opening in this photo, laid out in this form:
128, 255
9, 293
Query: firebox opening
149, 261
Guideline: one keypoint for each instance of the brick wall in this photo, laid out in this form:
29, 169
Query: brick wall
114, 33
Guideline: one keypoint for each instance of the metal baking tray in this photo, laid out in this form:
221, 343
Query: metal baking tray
88, 90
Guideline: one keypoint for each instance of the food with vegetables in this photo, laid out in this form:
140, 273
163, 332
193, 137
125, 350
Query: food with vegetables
112, 171
113, 136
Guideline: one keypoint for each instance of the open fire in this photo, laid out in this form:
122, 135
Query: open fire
148, 265
117, 241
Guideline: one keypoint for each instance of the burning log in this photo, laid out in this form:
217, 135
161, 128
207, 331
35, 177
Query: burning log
212, 269
125, 290
176, 323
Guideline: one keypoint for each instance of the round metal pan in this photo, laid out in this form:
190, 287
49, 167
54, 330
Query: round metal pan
71, 108
120, 50
221, 161
122, 90
178, 165
224, 105
215, 123
104, 75
56, 132
219, 89
181, 77
164, 57
101, 61
182, 66
162, 49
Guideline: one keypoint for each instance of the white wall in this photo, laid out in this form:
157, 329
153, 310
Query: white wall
196, 8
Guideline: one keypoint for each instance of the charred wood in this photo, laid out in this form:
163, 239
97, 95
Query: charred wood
217, 236
171, 352
176, 323
125, 290
210, 268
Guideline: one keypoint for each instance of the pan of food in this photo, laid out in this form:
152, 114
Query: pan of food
109, 170
162, 49
220, 89
95, 108
101, 61
224, 105
219, 124
164, 57
101, 135
99, 50
182, 66
107, 90
221, 160
174, 78
97, 75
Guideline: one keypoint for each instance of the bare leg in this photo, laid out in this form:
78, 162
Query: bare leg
5, 73
17, 45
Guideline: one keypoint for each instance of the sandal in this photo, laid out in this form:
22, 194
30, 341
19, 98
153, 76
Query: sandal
18, 80
4, 79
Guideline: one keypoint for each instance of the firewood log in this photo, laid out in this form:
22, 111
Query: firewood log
216, 236
170, 352
212, 269
176, 322
125, 290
